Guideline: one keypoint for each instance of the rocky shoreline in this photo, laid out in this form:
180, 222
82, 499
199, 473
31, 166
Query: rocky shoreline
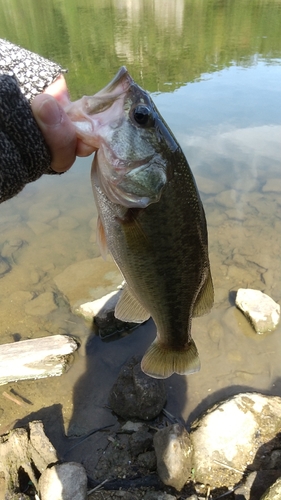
233, 451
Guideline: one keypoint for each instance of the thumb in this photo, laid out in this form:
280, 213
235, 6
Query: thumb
57, 129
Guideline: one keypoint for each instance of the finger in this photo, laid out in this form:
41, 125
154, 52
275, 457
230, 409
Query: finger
59, 132
58, 89
83, 149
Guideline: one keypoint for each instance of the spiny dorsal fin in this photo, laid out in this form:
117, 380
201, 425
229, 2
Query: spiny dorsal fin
162, 362
205, 298
129, 309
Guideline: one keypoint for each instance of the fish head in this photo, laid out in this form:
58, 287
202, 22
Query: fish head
134, 143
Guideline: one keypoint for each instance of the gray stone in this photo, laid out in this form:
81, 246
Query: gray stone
232, 435
274, 492
131, 427
261, 310
66, 481
158, 495
173, 450
140, 441
147, 460
135, 395
256, 484
43, 452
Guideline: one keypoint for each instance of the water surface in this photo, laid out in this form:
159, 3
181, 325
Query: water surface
214, 69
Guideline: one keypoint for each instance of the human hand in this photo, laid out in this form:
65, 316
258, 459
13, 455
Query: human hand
57, 128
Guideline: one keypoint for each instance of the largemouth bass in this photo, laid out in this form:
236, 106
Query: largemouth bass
151, 219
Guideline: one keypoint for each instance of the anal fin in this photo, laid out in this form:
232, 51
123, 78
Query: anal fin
205, 298
129, 309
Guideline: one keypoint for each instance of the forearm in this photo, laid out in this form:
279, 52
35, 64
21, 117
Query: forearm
24, 154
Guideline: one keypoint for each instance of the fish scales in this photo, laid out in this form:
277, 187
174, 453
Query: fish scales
152, 220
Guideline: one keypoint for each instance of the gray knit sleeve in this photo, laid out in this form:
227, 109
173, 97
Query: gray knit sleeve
32, 72
24, 155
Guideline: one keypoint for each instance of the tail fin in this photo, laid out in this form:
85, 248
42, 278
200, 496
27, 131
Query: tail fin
162, 362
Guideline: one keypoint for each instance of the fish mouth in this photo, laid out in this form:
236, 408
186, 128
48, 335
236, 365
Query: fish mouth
114, 90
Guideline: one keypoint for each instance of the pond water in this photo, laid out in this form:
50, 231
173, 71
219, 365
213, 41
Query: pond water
214, 71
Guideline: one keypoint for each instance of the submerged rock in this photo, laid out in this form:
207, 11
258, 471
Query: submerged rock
102, 311
136, 395
261, 310
4, 266
173, 450
42, 305
234, 434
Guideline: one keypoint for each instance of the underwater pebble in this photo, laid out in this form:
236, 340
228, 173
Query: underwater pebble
227, 198
208, 186
41, 305
261, 310
4, 267
88, 279
272, 185
39, 227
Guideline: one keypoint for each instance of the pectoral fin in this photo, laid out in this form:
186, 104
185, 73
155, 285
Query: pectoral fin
129, 309
205, 298
161, 362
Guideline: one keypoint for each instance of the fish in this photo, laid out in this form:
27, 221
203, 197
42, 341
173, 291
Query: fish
151, 219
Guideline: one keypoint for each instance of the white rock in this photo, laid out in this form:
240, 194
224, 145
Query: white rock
99, 307
227, 438
259, 308
66, 481
173, 452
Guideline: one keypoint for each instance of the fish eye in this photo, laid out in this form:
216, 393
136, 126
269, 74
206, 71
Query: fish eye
142, 115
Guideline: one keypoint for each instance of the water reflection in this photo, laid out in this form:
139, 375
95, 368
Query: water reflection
220, 60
